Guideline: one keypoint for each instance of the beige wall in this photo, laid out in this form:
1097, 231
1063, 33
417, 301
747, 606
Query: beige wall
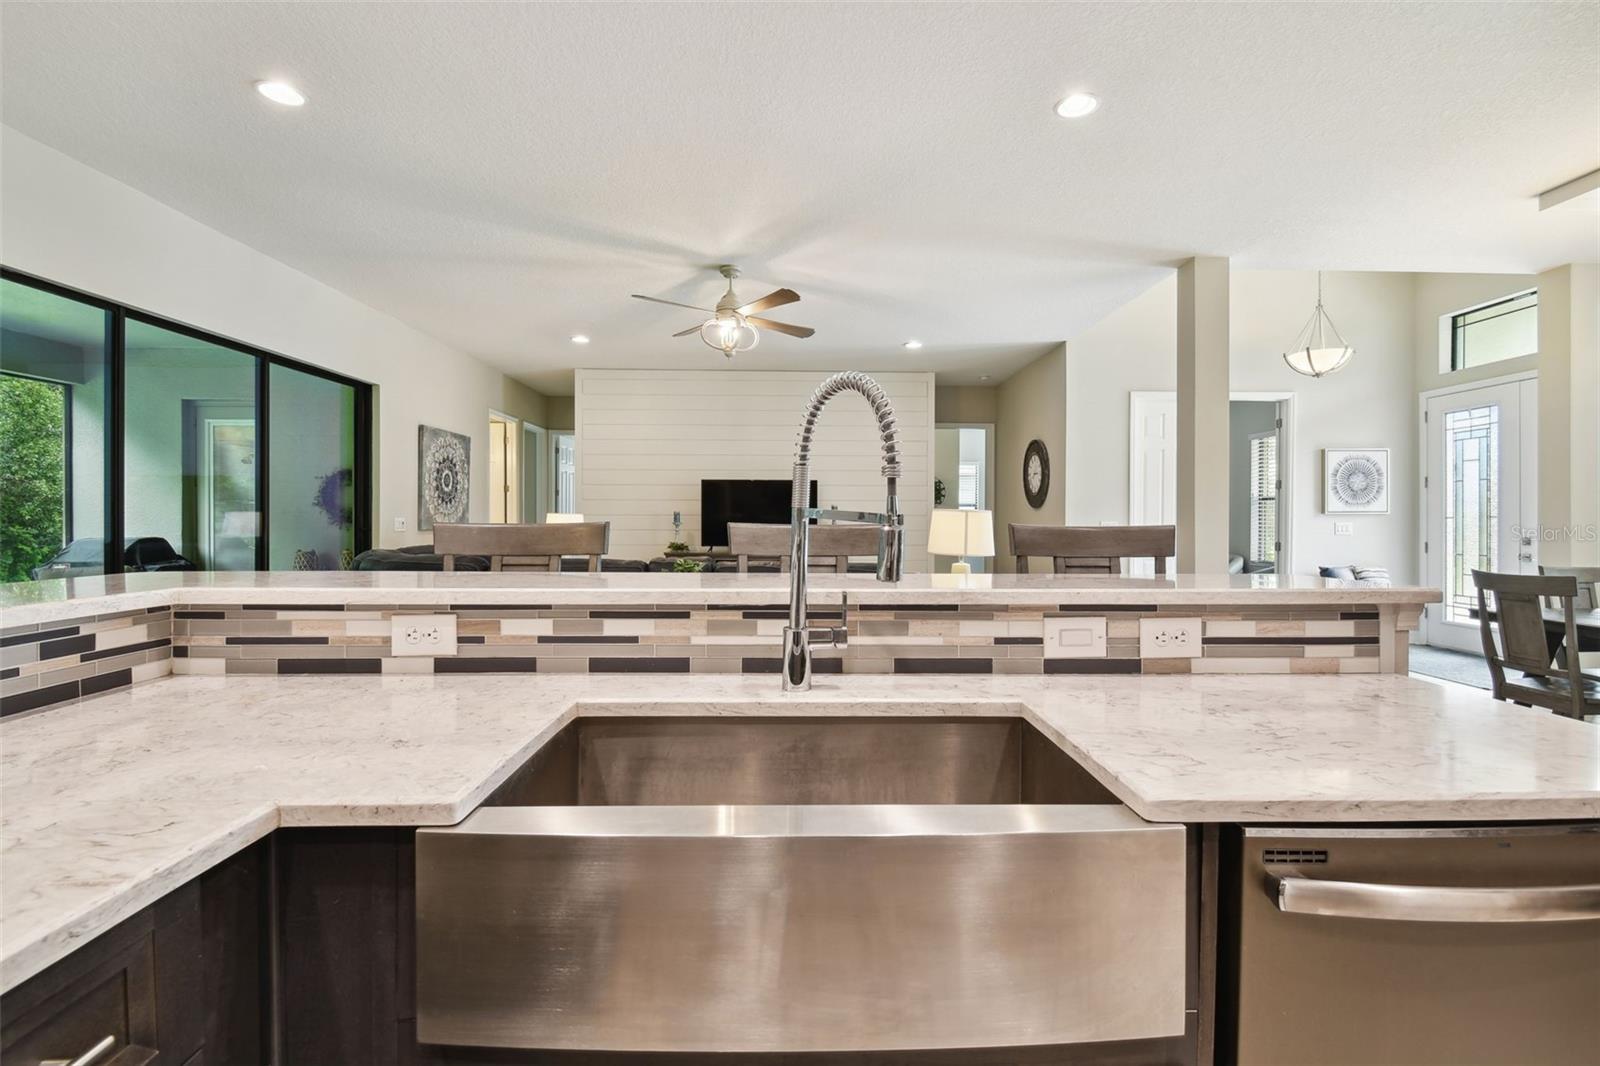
1569, 415
560, 413
1031, 404
965, 403
1438, 295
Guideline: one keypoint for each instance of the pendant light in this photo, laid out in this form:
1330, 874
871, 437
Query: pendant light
1319, 350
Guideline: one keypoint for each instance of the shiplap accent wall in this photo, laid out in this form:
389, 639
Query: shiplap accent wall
646, 438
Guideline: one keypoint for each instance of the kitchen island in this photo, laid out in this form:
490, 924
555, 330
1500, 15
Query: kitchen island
304, 789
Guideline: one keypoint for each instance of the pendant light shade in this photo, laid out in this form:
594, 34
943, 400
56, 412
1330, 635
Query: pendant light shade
1319, 350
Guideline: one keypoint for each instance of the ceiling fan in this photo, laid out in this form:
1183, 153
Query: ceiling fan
734, 327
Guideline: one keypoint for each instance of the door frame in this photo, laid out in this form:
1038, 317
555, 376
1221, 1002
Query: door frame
1421, 636
981, 565
1286, 493
511, 456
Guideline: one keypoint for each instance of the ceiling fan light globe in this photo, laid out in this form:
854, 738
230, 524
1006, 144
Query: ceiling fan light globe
729, 334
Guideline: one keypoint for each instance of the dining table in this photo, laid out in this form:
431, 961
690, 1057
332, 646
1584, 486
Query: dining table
1587, 623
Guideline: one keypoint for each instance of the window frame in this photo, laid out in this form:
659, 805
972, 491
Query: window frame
1453, 329
265, 359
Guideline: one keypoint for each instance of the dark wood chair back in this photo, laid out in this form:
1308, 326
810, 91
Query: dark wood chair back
1519, 606
523, 547
831, 546
1093, 549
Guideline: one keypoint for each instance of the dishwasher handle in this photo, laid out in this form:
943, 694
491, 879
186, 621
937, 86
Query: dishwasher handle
1294, 894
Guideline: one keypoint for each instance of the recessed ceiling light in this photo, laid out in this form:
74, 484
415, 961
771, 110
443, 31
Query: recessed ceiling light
281, 92
983, 377
580, 338
912, 344
1077, 105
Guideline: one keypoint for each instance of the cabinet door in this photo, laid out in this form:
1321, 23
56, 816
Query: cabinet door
104, 992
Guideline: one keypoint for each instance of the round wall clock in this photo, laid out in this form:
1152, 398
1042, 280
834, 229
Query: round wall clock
1036, 473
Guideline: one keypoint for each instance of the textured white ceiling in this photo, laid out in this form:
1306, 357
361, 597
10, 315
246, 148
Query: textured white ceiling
504, 175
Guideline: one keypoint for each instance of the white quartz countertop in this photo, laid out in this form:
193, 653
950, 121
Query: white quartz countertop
107, 805
33, 602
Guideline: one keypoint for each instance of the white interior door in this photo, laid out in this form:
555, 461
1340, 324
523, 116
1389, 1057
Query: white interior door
1481, 485
1153, 468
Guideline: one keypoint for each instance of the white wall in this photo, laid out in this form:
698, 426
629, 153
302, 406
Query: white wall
71, 224
1372, 402
646, 438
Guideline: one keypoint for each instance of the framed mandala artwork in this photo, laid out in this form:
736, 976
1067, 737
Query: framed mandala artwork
1356, 480
444, 474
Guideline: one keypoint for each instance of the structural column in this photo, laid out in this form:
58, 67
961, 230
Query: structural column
1203, 416
1569, 415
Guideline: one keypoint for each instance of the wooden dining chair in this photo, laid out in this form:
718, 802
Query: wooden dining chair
517, 546
832, 546
1519, 603
1093, 549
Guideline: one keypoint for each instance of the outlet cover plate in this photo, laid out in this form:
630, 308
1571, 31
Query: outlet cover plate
1075, 638
1169, 638
422, 634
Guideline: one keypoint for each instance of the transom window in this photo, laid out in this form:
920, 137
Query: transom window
1504, 329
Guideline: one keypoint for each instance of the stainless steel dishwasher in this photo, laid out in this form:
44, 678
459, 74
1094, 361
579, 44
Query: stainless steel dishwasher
1412, 946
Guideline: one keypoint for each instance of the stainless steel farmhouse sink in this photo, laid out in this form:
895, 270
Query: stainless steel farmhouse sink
719, 884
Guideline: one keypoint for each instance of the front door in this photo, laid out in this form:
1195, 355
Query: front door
1481, 484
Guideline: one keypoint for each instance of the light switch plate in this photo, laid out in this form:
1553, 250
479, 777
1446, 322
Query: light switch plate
399, 524
422, 634
1074, 638
1344, 529
1169, 638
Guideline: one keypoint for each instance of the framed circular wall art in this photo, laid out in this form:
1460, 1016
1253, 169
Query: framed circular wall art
1355, 480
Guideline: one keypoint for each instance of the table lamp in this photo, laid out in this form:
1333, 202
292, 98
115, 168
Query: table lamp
961, 534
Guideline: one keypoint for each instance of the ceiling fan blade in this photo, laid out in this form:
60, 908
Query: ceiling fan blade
782, 327
674, 303
686, 332
776, 298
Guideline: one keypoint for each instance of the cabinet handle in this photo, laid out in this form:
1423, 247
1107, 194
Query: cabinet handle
106, 1044
1294, 894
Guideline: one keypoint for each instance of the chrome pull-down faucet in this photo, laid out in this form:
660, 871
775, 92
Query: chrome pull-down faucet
798, 636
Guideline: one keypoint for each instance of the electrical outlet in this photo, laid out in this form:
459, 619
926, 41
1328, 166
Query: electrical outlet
1169, 638
422, 634
399, 524
1074, 638
1344, 529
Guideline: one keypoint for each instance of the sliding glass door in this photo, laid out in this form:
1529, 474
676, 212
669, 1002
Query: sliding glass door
54, 407
312, 434
177, 449
189, 448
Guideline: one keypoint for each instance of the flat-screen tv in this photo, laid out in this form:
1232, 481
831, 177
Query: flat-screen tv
724, 500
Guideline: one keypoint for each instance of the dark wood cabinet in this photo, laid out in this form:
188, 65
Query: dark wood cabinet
182, 976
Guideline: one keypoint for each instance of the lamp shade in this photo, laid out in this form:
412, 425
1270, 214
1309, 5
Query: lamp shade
558, 517
961, 533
